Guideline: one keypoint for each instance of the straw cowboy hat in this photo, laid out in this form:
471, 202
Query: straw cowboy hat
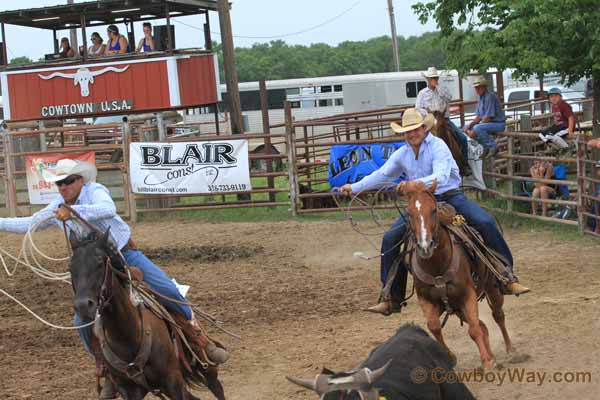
432, 72
412, 119
480, 81
67, 167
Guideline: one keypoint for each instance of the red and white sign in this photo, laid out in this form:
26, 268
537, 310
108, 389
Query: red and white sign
40, 191
117, 87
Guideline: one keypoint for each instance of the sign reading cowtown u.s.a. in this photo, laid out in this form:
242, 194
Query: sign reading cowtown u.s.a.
190, 167
87, 108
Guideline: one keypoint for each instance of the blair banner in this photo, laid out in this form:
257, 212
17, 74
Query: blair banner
190, 167
350, 163
40, 191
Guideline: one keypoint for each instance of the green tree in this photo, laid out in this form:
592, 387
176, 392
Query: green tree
279, 60
21, 60
535, 37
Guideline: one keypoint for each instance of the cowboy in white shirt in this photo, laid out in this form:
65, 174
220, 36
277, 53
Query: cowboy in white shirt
427, 159
435, 98
77, 187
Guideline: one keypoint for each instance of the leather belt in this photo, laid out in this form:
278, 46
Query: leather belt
130, 245
448, 194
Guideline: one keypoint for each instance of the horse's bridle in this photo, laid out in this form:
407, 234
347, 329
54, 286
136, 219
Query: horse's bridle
436, 228
106, 292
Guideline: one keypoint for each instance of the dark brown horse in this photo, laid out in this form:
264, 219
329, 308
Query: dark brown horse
442, 130
140, 353
442, 274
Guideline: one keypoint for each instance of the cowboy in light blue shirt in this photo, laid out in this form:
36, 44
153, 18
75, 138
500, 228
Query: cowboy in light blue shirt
426, 158
77, 187
489, 118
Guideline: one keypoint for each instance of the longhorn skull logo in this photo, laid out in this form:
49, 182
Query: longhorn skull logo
83, 77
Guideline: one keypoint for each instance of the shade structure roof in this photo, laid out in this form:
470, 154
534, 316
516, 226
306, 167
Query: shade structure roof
104, 12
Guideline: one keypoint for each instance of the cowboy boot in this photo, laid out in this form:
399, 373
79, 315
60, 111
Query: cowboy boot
200, 342
516, 288
386, 307
109, 390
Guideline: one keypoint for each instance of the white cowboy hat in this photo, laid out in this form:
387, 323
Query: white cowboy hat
432, 72
67, 167
412, 119
480, 81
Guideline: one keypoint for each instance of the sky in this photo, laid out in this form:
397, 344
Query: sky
254, 21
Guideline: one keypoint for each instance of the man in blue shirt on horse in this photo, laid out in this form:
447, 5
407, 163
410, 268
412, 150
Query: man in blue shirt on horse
76, 184
426, 159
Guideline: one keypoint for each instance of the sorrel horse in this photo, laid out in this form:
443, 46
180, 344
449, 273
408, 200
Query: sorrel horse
442, 275
442, 130
137, 345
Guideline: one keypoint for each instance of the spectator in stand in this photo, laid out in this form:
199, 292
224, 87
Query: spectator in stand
564, 120
117, 44
98, 47
489, 118
66, 51
147, 43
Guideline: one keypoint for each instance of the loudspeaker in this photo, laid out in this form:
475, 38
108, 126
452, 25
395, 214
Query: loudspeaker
161, 37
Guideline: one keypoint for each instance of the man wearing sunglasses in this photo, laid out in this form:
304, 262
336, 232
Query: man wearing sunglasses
76, 185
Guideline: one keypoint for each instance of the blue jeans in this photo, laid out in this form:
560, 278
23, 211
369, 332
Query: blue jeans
474, 215
461, 137
156, 278
484, 130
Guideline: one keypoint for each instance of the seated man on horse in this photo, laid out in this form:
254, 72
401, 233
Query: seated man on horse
426, 159
436, 99
76, 184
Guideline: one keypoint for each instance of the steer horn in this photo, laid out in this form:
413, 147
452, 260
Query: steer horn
107, 69
320, 384
362, 380
55, 74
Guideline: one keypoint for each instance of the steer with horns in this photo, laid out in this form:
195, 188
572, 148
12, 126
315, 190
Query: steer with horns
409, 365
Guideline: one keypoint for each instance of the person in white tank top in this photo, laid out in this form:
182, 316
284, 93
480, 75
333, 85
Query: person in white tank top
97, 48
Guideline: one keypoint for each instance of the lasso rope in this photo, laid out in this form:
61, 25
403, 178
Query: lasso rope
27, 258
376, 218
43, 320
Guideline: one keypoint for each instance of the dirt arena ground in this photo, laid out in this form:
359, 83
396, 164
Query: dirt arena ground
294, 292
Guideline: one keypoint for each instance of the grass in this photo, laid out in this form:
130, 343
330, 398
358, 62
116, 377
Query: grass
283, 213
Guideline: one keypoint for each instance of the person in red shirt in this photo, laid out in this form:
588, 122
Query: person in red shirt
564, 120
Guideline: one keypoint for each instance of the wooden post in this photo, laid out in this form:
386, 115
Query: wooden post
4, 54
55, 41
264, 105
169, 38
160, 122
84, 38
500, 85
130, 202
43, 139
581, 171
217, 123
9, 166
462, 101
207, 35
510, 172
542, 105
291, 153
231, 78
